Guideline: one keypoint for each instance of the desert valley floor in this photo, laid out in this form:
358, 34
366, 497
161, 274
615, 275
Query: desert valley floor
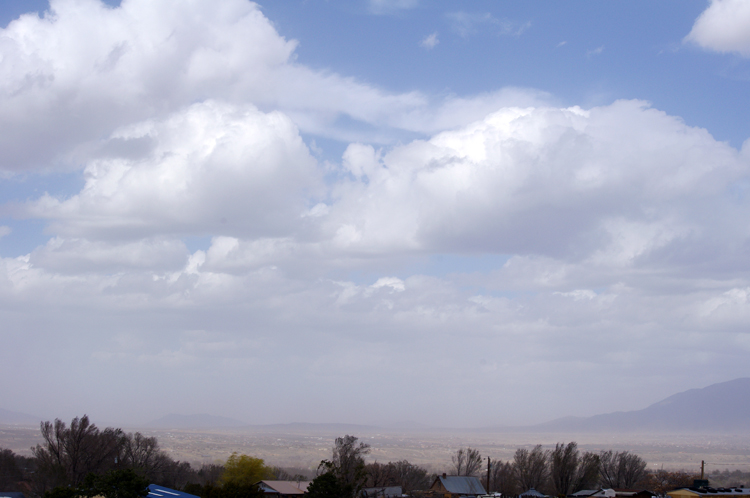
429, 449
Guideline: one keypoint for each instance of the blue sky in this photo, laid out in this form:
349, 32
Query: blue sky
642, 54
373, 200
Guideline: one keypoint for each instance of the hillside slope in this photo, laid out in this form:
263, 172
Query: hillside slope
720, 408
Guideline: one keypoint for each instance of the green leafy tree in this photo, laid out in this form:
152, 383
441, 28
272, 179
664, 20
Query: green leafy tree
124, 483
239, 490
61, 492
244, 470
327, 485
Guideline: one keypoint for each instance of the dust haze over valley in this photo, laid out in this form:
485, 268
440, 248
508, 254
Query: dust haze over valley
306, 448
711, 424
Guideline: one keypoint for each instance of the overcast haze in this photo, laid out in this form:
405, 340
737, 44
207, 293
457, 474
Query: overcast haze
456, 213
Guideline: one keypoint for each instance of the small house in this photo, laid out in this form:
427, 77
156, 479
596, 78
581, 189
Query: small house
456, 486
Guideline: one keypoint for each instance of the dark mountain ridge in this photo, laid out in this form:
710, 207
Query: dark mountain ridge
718, 408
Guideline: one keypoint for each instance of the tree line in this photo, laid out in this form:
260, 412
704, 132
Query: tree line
557, 472
81, 460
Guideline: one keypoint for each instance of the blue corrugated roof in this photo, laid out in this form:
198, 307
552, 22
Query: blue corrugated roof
155, 491
11, 494
463, 485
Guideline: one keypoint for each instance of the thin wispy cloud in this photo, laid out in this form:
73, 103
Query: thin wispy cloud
466, 24
430, 41
595, 51
390, 6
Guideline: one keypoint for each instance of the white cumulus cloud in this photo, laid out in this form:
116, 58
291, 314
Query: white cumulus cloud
723, 27
213, 168
622, 183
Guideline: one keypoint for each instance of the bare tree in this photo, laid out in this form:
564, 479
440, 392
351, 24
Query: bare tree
466, 462
289, 474
633, 469
459, 461
348, 462
563, 467
379, 475
608, 469
588, 472
209, 473
175, 474
143, 455
410, 477
530, 467
621, 469
661, 481
570, 471
503, 478
70, 453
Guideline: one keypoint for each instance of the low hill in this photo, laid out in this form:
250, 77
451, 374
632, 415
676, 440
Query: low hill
195, 421
718, 408
313, 428
8, 417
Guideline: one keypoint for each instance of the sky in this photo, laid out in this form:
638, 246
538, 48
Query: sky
463, 214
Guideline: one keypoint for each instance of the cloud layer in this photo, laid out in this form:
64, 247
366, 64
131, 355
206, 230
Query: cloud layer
517, 246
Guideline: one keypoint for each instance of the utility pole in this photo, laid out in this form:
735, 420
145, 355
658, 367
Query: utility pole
488, 475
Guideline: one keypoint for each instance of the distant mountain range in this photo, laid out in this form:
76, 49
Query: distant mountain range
8, 417
718, 408
206, 421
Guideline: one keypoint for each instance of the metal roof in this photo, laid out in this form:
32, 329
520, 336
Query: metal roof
462, 485
601, 492
155, 491
715, 491
383, 491
284, 487
532, 492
